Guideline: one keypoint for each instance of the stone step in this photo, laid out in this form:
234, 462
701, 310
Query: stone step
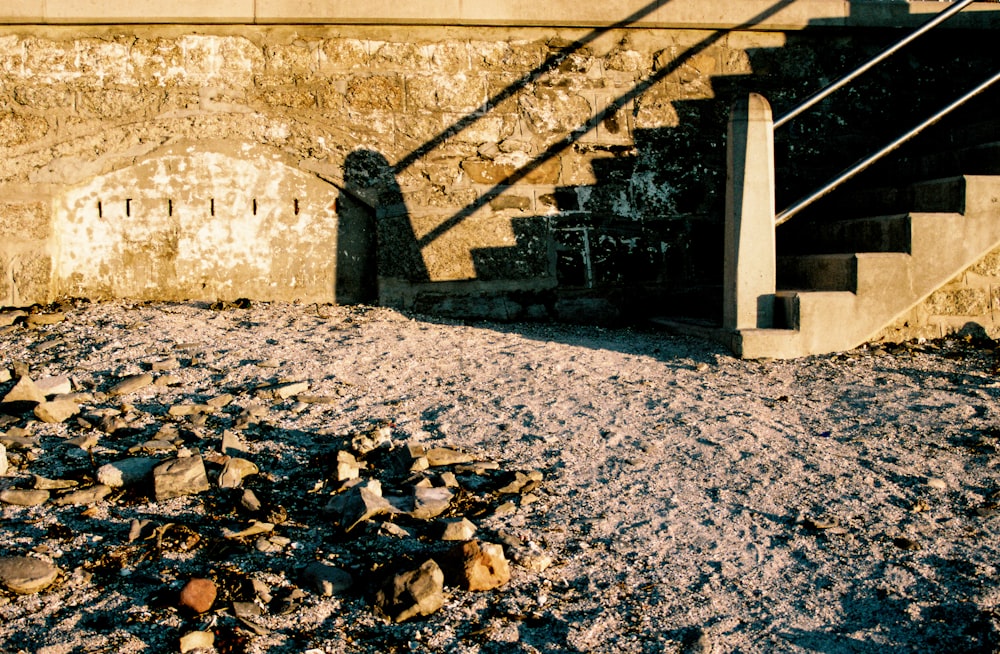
840, 272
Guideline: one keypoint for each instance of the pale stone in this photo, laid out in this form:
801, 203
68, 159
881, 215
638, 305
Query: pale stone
179, 477
255, 528
131, 384
197, 640
19, 497
443, 456
358, 504
88, 496
430, 502
234, 471
180, 410
347, 467
458, 530
126, 472
57, 411
25, 575
60, 385
24, 390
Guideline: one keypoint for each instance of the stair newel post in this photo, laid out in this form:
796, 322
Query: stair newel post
749, 282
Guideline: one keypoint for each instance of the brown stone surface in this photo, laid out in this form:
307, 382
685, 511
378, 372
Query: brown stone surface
198, 595
477, 565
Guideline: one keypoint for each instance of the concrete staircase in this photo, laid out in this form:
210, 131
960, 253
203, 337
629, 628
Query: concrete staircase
846, 280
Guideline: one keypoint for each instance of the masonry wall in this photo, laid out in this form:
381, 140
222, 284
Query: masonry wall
507, 172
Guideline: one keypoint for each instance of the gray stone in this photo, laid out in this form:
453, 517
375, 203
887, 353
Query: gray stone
26, 575
430, 502
326, 579
412, 594
347, 466
232, 444
56, 412
358, 504
126, 472
43, 483
85, 496
19, 497
131, 384
234, 471
444, 456
179, 477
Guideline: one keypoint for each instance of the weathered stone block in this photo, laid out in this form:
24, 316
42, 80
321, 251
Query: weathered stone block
507, 55
18, 129
461, 92
376, 92
292, 98
951, 301
157, 61
343, 53
444, 57
25, 278
554, 110
24, 220
988, 266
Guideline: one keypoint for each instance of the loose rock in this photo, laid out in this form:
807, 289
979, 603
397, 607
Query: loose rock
131, 384
56, 412
88, 496
26, 575
412, 594
479, 566
19, 497
179, 477
235, 471
126, 472
195, 640
326, 579
198, 595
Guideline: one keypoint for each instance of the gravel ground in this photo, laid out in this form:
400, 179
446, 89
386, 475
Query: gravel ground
689, 501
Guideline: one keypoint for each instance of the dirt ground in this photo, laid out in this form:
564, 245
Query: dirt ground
689, 502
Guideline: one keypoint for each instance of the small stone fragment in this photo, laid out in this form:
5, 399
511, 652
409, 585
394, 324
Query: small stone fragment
458, 530
937, 483
220, 401
126, 472
250, 501
326, 579
372, 440
283, 390
347, 466
479, 566
412, 594
906, 544
10, 316
188, 409
163, 365
255, 528
42, 483
56, 412
235, 471
198, 595
86, 441
42, 319
178, 477
131, 384
444, 456
232, 444
19, 497
197, 640
26, 575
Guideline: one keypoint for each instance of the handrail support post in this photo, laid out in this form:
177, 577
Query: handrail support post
749, 275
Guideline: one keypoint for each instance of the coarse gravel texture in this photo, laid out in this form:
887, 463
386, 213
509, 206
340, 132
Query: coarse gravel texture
690, 502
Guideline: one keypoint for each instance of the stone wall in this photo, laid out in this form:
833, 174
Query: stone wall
507, 172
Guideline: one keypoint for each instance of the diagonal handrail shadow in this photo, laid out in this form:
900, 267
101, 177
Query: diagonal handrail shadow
560, 146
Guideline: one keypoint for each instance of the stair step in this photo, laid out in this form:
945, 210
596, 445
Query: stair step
840, 272
959, 194
890, 233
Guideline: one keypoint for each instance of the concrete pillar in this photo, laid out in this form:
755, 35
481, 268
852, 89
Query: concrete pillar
749, 263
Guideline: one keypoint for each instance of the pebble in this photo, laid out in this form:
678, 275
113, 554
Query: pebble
937, 483
430, 502
43, 483
358, 504
26, 575
10, 316
57, 411
198, 595
461, 530
163, 365
60, 385
24, 391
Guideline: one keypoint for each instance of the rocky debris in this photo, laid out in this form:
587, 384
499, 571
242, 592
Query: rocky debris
359, 504
43, 319
10, 316
430, 502
179, 477
25, 395
49, 386
26, 575
411, 594
326, 579
478, 565
198, 595
86, 496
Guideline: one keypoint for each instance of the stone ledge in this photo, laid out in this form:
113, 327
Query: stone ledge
702, 14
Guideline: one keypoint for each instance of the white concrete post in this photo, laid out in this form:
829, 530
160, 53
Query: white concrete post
749, 280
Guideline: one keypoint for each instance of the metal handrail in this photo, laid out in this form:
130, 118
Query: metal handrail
850, 172
850, 77
861, 165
